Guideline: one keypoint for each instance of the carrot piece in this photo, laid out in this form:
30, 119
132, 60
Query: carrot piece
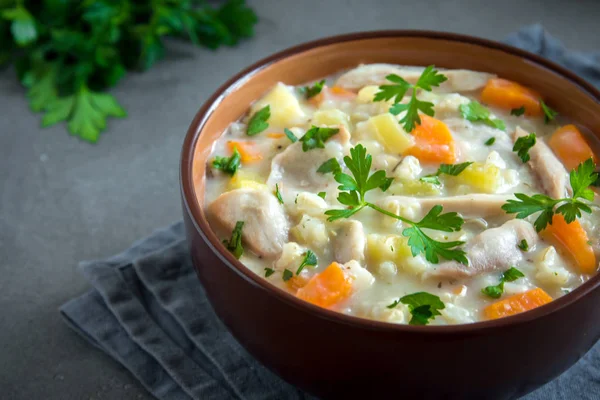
570, 146
248, 151
317, 99
275, 135
297, 282
341, 92
327, 92
517, 303
507, 94
573, 240
433, 142
327, 288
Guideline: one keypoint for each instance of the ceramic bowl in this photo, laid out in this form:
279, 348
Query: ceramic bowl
339, 356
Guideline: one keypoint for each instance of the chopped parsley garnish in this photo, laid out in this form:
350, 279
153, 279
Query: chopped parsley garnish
332, 165
570, 208
278, 194
549, 114
474, 111
522, 146
287, 275
423, 307
517, 112
228, 164
490, 141
234, 245
316, 137
310, 259
290, 135
258, 122
428, 79
312, 91
353, 190
394, 304
523, 245
448, 169
269, 272
510, 275
322, 195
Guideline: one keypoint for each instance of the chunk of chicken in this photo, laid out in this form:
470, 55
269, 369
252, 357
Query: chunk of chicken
349, 244
265, 224
549, 169
469, 205
493, 249
297, 169
459, 80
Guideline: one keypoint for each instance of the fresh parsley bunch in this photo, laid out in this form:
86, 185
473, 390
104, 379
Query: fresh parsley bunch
67, 53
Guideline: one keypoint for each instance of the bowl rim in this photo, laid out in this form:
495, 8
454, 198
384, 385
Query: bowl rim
191, 205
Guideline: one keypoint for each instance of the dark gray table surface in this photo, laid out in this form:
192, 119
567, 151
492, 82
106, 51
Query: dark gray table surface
63, 200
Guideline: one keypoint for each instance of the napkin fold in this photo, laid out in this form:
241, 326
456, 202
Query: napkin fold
148, 311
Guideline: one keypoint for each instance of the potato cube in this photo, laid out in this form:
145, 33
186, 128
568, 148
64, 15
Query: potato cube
391, 133
285, 107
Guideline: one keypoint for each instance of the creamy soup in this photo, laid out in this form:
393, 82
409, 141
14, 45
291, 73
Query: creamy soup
408, 195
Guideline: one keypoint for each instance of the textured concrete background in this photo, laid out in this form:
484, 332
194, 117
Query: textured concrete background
63, 200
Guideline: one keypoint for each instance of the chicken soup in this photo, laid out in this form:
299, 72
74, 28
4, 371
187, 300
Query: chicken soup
408, 194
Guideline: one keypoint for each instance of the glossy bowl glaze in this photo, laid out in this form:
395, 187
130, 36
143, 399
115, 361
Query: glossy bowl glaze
338, 356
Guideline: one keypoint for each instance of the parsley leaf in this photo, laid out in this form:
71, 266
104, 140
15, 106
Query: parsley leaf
490, 141
22, 25
258, 122
523, 245
510, 275
332, 165
287, 275
228, 164
290, 135
517, 112
278, 194
429, 78
423, 306
549, 114
234, 245
474, 111
353, 189
316, 137
396, 92
581, 178
312, 91
448, 169
523, 145
269, 272
322, 195
310, 259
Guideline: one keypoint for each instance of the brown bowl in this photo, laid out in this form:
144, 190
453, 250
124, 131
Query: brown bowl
339, 356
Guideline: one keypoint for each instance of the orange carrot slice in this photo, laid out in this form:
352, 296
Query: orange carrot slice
327, 288
570, 146
275, 135
297, 282
433, 142
517, 303
327, 92
507, 94
341, 92
572, 240
248, 151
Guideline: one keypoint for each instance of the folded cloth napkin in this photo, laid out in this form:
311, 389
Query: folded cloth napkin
148, 311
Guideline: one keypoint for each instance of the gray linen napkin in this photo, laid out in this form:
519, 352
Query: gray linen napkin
148, 311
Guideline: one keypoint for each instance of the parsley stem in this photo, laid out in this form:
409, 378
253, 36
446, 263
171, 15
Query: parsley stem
389, 214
